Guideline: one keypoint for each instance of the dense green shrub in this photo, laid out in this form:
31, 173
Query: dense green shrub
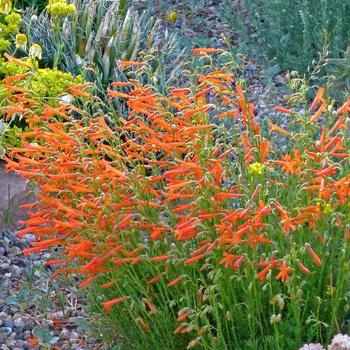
291, 32
39, 4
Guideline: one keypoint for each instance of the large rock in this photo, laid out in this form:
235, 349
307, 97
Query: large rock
14, 192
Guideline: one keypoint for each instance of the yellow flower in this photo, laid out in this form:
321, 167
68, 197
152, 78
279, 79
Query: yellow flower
256, 168
60, 8
71, 9
172, 17
326, 208
330, 290
35, 51
21, 40
5, 6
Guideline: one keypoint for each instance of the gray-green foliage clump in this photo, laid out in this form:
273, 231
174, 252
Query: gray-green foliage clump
102, 33
38, 4
340, 69
292, 32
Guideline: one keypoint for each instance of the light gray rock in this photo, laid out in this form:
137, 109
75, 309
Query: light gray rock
29, 238
16, 271
65, 334
5, 267
14, 251
19, 324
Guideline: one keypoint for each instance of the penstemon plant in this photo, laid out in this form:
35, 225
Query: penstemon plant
188, 234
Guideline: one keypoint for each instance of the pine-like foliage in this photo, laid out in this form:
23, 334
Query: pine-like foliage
291, 32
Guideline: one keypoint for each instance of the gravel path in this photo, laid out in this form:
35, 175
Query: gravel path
34, 310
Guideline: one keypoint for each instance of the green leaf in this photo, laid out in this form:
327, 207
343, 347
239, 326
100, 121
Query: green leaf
83, 323
11, 300
43, 334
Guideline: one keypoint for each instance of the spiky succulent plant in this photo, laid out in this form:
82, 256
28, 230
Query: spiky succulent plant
104, 32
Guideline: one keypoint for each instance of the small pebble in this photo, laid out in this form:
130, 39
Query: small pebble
29, 238
14, 251
65, 334
19, 324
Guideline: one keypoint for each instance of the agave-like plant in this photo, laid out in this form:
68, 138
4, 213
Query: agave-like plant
107, 31
39, 30
340, 69
104, 32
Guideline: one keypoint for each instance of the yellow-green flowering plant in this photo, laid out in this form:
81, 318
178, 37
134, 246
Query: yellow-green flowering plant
5, 6
46, 86
21, 41
9, 25
44, 83
60, 8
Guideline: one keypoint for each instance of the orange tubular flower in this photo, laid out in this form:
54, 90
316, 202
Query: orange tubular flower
164, 195
142, 324
17, 61
54, 262
344, 108
276, 128
242, 103
154, 279
347, 234
107, 284
287, 223
183, 315
283, 110
151, 308
195, 259
108, 304
88, 281
319, 112
284, 271
160, 258
318, 98
175, 281
206, 51
303, 268
262, 274
228, 261
314, 256
126, 64
264, 150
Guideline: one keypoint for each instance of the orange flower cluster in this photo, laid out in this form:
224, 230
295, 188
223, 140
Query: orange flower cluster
107, 193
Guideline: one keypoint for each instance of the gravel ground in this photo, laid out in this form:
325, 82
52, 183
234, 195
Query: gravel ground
33, 310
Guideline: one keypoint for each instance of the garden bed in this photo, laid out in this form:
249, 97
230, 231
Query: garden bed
172, 181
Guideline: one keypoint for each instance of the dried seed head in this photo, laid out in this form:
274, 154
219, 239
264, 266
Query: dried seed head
275, 318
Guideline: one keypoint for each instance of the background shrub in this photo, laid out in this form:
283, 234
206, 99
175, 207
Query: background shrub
291, 32
38, 4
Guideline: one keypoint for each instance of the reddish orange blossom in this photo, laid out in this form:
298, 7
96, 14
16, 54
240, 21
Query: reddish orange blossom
283, 275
